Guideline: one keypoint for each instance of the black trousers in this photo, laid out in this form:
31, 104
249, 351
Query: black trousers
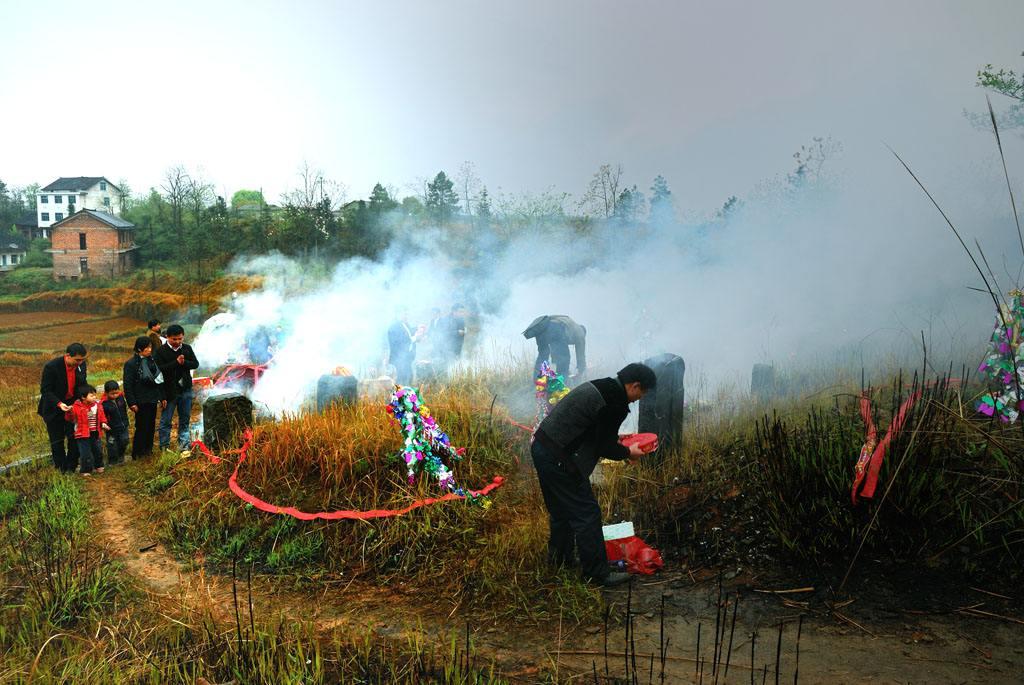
557, 352
574, 515
62, 443
145, 428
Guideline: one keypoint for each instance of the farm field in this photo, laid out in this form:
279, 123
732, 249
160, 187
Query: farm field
53, 336
16, 321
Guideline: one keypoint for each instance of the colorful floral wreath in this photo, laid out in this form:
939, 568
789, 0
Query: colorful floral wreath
426, 445
1006, 358
550, 388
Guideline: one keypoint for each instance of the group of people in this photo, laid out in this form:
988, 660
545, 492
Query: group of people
443, 338
79, 421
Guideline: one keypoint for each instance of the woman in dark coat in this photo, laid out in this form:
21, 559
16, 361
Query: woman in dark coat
143, 391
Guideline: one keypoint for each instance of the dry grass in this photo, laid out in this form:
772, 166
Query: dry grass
488, 557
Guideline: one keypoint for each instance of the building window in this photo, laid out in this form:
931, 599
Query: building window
58, 199
45, 216
81, 241
71, 206
58, 216
106, 201
83, 265
44, 199
15, 259
103, 185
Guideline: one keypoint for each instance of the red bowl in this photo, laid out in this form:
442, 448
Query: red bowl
647, 442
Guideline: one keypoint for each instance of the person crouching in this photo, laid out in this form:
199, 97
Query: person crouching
90, 422
116, 409
582, 428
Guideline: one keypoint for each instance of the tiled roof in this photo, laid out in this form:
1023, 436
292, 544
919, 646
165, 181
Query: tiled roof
75, 183
109, 219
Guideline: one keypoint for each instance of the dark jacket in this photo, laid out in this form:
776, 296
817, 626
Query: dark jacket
177, 377
401, 348
139, 387
53, 387
584, 426
117, 413
555, 330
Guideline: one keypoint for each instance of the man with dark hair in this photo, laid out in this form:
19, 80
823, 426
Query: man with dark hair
153, 333
56, 395
176, 361
582, 428
554, 333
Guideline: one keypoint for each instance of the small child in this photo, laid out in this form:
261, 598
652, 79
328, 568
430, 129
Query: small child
90, 421
116, 410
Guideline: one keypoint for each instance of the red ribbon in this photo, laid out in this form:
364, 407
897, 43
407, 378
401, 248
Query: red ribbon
873, 452
262, 505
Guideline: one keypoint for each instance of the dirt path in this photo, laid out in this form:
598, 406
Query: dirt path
865, 648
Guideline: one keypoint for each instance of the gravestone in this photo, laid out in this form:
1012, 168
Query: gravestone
225, 418
762, 382
333, 389
661, 409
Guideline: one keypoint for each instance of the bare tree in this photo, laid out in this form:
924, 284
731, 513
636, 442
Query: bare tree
468, 183
175, 187
603, 191
313, 188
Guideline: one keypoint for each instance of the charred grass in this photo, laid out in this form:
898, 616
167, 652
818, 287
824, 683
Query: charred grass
772, 490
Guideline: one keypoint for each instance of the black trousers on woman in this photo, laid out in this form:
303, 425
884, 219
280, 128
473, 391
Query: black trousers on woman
145, 428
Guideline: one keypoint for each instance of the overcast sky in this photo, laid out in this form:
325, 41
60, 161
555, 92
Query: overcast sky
714, 96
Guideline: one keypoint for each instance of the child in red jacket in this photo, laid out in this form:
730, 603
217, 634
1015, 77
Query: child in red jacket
90, 421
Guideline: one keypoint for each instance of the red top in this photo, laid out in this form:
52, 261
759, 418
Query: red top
80, 415
71, 380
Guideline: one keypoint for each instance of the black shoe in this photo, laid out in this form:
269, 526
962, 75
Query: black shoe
613, 579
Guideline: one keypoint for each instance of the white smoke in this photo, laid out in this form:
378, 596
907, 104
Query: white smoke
848, 270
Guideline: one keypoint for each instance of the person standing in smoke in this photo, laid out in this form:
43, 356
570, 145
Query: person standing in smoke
554, 333
582, 428
454, 330
402, 348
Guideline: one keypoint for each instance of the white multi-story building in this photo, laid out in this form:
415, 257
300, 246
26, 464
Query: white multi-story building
65, 196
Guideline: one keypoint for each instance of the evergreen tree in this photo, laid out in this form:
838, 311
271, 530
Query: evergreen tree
483, 207
442, 201
381, 201
661, 210
628, 205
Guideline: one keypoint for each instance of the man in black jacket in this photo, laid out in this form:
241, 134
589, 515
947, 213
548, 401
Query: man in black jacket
582, 428
176, 361
56, 395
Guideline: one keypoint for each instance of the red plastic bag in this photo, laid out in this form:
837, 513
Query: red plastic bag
639, 556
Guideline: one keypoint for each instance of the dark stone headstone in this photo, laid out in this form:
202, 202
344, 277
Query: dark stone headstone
426, 371
225, 417
762, 382
331, 389
661, 409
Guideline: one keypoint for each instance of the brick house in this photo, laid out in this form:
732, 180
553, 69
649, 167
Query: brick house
90, 242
